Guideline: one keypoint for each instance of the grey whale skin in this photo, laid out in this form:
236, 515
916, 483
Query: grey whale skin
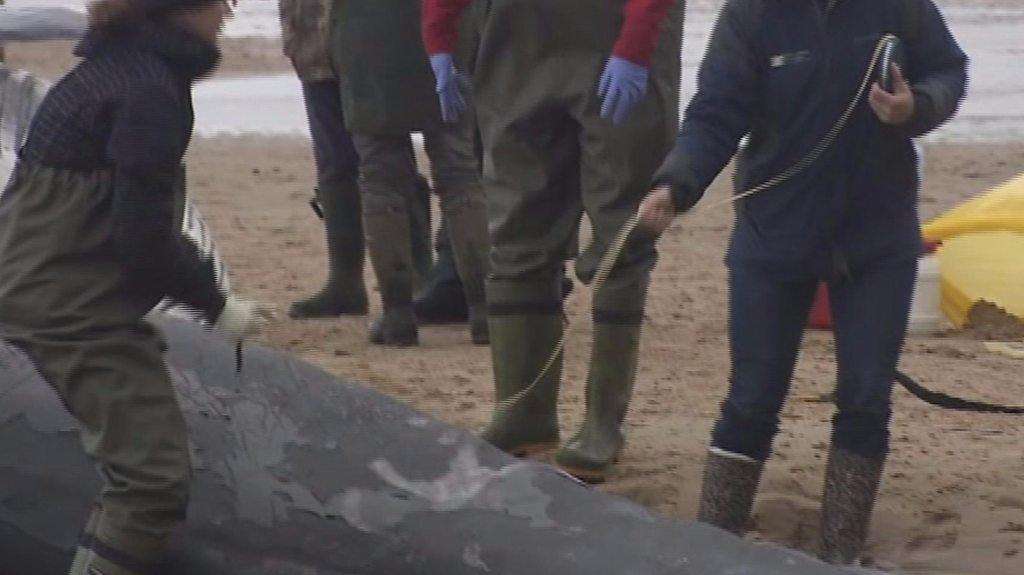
299, 473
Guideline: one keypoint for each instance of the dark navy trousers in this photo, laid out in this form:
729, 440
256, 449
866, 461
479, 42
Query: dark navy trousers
767, 317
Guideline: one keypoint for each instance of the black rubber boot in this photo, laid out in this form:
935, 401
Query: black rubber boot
479, 326
727, 496
387, 236
613, 362
466, 215
851, 486
344, 293
442, 300
521, 345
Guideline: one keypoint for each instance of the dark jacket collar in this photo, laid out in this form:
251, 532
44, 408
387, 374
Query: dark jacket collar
188, 56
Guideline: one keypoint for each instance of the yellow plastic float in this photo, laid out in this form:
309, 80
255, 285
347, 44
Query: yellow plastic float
982, 254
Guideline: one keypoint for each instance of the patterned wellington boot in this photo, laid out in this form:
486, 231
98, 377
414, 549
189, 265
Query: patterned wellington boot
730, 485
851, 486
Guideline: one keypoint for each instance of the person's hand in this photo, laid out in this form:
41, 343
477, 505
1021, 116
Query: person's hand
896, 108
242, 319
657, 210
622, 85
449, 93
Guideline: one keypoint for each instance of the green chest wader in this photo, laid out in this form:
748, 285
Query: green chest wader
548, 157
67, 302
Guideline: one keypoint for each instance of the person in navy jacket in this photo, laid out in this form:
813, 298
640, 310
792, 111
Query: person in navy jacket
782, 73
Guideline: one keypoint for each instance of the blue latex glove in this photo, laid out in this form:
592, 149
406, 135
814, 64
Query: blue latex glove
449, 93
622, 85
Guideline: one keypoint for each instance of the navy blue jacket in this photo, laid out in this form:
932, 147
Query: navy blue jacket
784, 71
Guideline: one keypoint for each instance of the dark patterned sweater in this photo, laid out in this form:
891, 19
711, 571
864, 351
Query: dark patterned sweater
127, 108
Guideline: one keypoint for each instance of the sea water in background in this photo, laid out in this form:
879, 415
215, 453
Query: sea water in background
994, 110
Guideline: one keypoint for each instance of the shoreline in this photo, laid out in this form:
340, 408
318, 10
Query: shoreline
49, 60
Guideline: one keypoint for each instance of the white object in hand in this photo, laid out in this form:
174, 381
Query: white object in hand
241, 319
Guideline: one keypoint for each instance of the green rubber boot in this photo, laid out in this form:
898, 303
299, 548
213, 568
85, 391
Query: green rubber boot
387, 237
520, 347
345, 292
596, 446
467, 228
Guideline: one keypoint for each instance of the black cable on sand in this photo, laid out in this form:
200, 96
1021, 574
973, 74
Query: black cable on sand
945, 401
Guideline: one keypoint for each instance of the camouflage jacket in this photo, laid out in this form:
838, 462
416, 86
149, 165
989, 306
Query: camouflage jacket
304, 33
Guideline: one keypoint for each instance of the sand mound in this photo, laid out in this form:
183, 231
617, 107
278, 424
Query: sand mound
989, 322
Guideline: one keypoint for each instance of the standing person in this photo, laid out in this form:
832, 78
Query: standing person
90, 241
304, 30
388, 91
785, 73
577, 102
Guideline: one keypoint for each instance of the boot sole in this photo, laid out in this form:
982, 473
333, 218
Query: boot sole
392, 340
589, 475
395, 342
440, 321
531, 449
402, 335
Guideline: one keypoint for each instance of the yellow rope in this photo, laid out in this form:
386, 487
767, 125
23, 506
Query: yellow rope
611, 256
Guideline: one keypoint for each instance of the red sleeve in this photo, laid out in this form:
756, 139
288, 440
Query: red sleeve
441, 24
639, 32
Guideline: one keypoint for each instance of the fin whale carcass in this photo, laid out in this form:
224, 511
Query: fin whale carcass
299, 473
